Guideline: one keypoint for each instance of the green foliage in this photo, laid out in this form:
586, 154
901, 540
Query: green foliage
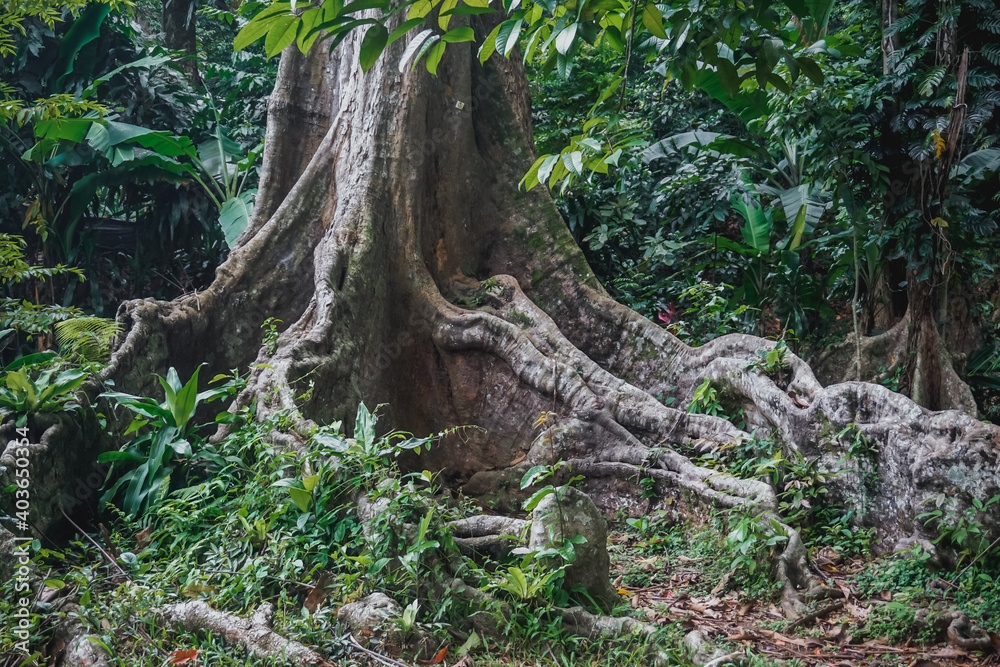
91, 194
706, 400
271, 334
50, 390
706, 314
168, 440
21, 315
528, 581
772, 362
87, 338
49, 12
966, 532
753, 541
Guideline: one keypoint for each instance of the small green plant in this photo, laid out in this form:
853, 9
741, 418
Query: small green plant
520, 318
753, 540
271, 334
51, 390
773, 362
895, 621
165, 443
706, 400
527, 581
894, 380
964, 532
706, 314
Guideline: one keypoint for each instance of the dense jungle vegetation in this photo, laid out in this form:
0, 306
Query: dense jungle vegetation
819, 174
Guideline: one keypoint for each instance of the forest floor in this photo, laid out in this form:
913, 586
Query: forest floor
677, 580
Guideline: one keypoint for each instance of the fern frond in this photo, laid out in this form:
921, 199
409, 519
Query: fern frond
88, 337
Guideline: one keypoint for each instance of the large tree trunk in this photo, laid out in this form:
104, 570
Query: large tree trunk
387, 200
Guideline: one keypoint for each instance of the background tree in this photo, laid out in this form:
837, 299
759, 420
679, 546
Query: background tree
180, 33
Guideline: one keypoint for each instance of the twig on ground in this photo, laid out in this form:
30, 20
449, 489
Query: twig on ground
384, 659
806, 619
104, 553
738, 656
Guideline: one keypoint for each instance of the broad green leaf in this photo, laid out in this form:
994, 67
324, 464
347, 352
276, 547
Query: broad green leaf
215, 155
364, 425
434, 57
463, 34
444, 13
85, 29
507, 36
489, 46
364, 5
69, 129
306, 36
798, 227
564, 40
573, 161
532, 502
234, 216
757, 230
258, 27
66, 382
186, 401
174, 380
404, 28
530, 179
811, 70
30, 360
280, 35
531, 476
468, 11
729, 76
545, 169
420, 9
652, 19
413, 47
107, 457
372, 45
300, 497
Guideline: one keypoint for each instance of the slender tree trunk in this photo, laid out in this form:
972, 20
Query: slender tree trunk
180, 33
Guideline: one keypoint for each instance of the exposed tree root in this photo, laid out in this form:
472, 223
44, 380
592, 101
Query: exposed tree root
956, 627
576, 620
253, 634
545, 361
488, 535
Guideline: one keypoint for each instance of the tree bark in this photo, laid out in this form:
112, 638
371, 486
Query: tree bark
407, 269
180, 33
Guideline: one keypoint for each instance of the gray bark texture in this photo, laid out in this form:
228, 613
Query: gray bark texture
387, 200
